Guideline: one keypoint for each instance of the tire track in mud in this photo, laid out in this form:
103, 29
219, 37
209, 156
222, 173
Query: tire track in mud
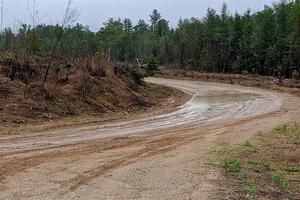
9, 166
153, 148
151, 145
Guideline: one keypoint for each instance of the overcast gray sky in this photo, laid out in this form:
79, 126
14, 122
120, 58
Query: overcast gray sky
94, 12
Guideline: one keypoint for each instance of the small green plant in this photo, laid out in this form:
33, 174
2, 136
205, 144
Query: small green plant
226, 162
248, 143
266, 165
291, 169
253, 162
278, 179
209, 162
232, 164
283, 129
250, 190
289, 130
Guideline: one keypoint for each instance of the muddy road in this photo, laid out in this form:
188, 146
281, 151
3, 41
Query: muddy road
209, 102
150, 157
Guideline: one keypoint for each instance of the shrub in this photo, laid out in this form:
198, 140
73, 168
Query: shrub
85, 86
138, 74
152, 66
97, 71
120, 70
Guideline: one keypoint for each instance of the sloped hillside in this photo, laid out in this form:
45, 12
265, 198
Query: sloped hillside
94, 89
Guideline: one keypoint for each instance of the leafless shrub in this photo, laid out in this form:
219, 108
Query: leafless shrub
85, 86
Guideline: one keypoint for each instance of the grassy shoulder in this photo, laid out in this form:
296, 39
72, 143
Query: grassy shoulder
266, 168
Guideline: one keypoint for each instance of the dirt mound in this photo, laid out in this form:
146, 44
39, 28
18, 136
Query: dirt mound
94, 89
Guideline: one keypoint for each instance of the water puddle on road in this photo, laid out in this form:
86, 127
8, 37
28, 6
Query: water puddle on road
222, 99
201, 108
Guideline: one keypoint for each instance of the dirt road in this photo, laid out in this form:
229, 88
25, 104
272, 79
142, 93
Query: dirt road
155, 157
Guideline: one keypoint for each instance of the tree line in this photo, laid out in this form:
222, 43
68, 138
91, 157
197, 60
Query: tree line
265, 42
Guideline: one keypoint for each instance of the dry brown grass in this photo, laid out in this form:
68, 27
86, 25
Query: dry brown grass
90, 87
287, 85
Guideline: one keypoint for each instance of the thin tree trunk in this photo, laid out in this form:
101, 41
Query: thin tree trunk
52, 56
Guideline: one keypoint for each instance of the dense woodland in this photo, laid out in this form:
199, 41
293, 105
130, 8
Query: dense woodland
266, 42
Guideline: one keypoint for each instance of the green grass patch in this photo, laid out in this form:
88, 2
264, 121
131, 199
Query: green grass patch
226, 147
290, 130
233, 165
266, 165
250, 190
253, 162
248, 143
209, 162
291, 169
279, 180
282, 129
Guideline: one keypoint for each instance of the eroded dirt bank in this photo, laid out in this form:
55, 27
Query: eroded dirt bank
120, 161
251, 80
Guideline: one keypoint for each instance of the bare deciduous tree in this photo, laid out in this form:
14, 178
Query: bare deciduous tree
70, 17
1, 14
32, 7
